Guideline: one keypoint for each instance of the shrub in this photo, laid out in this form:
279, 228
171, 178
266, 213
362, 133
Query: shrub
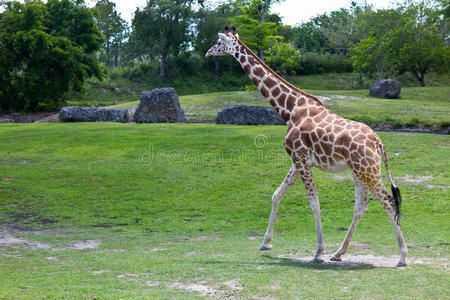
316, 63
45, 51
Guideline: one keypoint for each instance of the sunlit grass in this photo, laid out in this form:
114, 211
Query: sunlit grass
172, 206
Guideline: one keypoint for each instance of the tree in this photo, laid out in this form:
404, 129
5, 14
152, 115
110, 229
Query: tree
373, 53
162, 26
283, 58
418, 44
113, 28
407, 38
209, 23
45, 50
257, 27
309, 37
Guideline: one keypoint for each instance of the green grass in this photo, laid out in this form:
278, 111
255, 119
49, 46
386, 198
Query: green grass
171, 205
417, 107
429, 106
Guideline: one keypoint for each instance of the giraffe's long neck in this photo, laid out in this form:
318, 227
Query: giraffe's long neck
283, 96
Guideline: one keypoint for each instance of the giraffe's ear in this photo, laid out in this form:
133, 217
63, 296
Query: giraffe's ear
237, 35
222, 36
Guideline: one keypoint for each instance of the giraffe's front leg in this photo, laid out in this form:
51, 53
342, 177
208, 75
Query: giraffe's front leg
306, 175
276, 198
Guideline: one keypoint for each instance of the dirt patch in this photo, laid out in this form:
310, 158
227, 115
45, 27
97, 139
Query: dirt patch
254, 235
80, 245
130, 276
362, 246
204, 287
29, 118
156, 249
325, 98
233, 285
152, 283
413, 179
406, 134
7, 240
204, 290
342, 177
199, 238
263, 297
96, 272
432, 186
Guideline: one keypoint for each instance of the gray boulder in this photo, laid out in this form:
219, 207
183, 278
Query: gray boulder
386, 88
249, 115
159, 106
93, 114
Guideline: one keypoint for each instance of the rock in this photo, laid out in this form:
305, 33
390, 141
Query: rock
159, 106
249, 115
386, 88
93, 114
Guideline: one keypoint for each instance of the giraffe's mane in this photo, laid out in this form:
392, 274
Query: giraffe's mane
276, 75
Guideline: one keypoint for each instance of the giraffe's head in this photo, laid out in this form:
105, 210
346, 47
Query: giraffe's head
225, 45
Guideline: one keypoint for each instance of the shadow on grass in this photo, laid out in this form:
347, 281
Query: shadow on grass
307, 263
310, 264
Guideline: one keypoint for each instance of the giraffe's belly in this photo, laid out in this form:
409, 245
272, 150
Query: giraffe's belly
339, 166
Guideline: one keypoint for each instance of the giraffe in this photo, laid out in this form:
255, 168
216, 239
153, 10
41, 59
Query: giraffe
316, 137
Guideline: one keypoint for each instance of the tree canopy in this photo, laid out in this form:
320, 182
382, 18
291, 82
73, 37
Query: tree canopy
45, 50
48, 49
113, 28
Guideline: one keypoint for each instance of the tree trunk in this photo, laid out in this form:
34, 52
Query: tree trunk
162, 69
420, 76
216, 66
116, 60
261, 54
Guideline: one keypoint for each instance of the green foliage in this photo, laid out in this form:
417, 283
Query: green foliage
209, 23
161, 27
257, 28
407, 38
309, 37
371, 55
419, 44
114, 30
45, 50
316, 63
283, 58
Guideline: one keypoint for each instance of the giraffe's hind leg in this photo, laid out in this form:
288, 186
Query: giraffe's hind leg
381, 193
377, 188
360, 209
291, 177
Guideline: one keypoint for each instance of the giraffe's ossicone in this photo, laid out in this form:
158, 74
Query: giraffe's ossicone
316, 137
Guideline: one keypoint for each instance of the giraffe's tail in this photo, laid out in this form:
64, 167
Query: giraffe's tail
395, 190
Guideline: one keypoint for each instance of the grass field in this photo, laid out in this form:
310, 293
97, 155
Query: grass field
178, 211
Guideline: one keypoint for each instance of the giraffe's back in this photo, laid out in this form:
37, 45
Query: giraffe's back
332, 143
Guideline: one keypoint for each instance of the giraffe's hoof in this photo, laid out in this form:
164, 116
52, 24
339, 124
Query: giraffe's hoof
317, 259
335, 258
401, 264
265, 247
